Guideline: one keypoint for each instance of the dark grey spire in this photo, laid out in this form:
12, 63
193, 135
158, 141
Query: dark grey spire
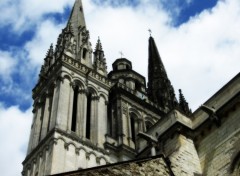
160, 90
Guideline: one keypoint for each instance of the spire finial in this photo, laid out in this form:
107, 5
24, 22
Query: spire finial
150, 32
121, 53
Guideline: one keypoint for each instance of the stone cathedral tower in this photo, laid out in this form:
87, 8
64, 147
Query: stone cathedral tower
70, 104
85, 117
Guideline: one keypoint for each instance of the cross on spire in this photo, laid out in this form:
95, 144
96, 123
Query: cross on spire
121, 53
150, 32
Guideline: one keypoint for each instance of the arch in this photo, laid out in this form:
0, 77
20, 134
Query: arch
92, 89
82, 148
102, 157
71, 143
67, 76
148, 124
92, 153
61, 138
103, 96
149, 118
79, 82
65, 73
134, 127
135, 112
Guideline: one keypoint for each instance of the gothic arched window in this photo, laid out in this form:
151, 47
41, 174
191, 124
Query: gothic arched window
134, 126
84, 53
148, 125
88, 118
74, 112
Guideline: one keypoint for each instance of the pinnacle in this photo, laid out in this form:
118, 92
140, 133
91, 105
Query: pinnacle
183, 104
50, 51
98, 45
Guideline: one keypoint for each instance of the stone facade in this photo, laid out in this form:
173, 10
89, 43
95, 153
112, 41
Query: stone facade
86, 119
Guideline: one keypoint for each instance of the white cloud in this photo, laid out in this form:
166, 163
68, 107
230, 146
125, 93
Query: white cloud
14, 134
7, 65
22, 14
204, 52
200, 56
46, 33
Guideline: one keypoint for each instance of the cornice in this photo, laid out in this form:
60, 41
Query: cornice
86, 72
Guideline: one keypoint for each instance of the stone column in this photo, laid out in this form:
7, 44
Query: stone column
40, 165
60, 104
81, 118
78, 115
102, 121
37, 126
125, 128
30, 143
70, 106
46, 117
34, 167
153, 150
55, 104
28, 171
94, 120
62, 111
45, 163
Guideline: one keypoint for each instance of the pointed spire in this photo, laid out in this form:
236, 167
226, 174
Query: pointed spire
98, 45
82, 47
50, 51
183, 105
48, 59
154, 59
99, 61
77, 18
160, 89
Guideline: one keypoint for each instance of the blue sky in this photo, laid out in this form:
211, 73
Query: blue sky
14, 41
198, 40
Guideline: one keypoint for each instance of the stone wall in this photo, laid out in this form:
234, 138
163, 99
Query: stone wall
219, 147
183, 155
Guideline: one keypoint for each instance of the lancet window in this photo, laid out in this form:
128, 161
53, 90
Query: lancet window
74, 112
88, 118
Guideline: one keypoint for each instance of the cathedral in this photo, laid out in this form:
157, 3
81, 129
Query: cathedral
88, 121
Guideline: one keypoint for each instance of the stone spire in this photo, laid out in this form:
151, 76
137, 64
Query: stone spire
99, 61
160, 90
77, 17
74, 39
183, 105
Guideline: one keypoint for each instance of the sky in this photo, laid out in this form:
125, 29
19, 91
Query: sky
198, 42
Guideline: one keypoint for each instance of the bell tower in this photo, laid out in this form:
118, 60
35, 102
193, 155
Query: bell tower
70, 104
